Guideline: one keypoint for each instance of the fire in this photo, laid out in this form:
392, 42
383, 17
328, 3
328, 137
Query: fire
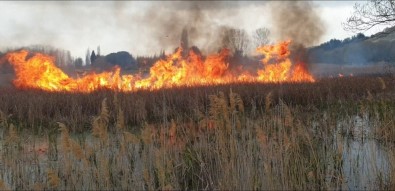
40, 72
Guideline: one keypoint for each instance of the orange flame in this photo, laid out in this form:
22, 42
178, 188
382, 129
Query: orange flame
40, 72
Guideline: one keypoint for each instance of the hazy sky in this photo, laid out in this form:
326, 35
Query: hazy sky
130, 26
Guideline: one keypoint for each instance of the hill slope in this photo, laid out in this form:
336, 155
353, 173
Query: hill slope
357, 50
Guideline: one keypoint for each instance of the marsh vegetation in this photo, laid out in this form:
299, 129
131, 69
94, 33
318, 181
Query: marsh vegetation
335, 133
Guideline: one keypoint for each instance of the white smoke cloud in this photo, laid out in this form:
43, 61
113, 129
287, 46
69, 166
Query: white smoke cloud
118, 25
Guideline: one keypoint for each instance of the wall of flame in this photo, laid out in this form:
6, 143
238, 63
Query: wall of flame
40, 72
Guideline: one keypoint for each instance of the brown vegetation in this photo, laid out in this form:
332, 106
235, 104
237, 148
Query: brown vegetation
238, 136
38, 109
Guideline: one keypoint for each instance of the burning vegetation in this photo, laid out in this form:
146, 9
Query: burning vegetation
186, 66
40, 72
220, 121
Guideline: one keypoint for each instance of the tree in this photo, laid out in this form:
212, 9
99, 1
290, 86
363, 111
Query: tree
261, 37
93, 57
370, 14
236, 39
123, 59
87, 57
78, 63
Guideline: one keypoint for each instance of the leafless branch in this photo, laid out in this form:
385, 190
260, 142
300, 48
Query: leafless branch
371, 14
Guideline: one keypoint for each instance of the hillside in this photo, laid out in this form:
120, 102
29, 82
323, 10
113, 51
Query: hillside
357, 50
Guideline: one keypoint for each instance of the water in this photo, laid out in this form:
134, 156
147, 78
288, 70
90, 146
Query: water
365, 162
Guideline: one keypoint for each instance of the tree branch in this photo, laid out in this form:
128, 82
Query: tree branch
371, 14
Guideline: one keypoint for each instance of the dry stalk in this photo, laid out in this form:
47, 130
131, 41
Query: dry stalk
120, 120
53, 179
268, 101
382, 83
3, 186
100, 123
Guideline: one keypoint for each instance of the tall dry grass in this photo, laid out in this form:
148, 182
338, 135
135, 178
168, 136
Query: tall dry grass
234, 137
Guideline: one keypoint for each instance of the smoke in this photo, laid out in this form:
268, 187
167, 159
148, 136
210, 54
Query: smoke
297, 21
139, 27
201, 20
292, 20
6, 72
166, 23
142, 27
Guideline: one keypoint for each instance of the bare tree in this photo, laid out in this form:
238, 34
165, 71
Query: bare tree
370, 14
236, 39
261, 37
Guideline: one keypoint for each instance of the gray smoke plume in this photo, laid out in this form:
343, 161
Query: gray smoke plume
169, 21
297, 21
6, 72
138, 26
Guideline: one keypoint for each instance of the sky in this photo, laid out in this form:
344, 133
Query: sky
141, 27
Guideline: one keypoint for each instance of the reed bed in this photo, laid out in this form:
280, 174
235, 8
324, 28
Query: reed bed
228, 137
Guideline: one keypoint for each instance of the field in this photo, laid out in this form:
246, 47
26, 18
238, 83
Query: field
336, 133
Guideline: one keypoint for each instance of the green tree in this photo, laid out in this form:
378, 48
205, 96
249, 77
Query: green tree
93, 57
78, 63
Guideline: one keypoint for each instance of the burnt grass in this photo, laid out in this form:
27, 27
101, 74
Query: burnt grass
39, 111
